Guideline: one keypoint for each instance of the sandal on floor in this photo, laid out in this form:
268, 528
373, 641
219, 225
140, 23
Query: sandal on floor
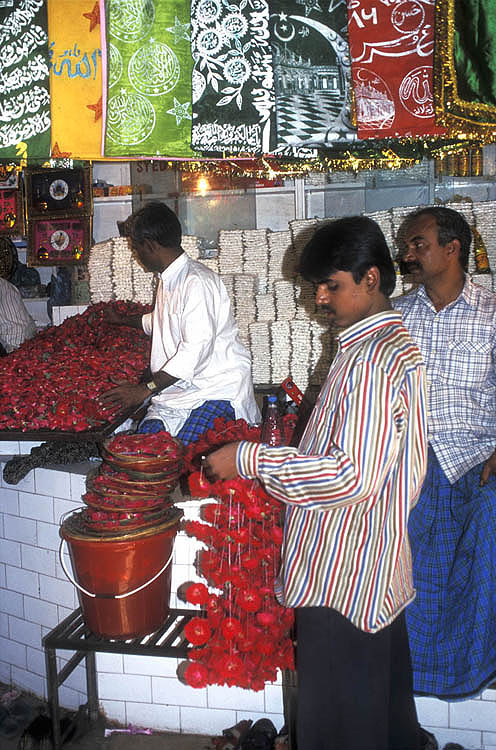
224, 743
261, 736
238, 731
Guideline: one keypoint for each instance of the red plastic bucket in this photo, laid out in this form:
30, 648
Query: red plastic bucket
126, 580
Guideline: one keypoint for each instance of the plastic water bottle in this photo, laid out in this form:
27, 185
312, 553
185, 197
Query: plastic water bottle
272, 431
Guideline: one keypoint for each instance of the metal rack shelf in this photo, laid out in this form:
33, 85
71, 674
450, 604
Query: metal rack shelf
72, 634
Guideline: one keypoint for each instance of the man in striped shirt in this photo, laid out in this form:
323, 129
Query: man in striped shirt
16, 324
349, 488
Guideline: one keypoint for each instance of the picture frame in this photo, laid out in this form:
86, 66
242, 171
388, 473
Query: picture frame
58, 241
9, 177
58, 191
11, 212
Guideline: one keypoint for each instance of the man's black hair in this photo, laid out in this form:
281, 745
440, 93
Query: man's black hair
155, 221
353, 243
451, 225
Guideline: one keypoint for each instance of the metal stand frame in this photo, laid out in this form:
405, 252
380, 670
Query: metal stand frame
72, 634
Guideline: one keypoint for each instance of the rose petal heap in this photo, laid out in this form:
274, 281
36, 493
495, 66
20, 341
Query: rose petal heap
132, 498
52, 382
243, 636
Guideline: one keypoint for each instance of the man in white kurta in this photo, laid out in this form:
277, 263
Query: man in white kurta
195, 338
199, 367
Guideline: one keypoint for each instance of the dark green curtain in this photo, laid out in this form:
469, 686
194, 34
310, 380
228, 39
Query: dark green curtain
475, 50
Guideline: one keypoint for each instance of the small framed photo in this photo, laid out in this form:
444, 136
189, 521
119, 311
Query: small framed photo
58, 241
58, 191
9, 177
11, 212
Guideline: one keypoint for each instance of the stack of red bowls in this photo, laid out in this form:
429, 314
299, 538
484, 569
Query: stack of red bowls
132, 487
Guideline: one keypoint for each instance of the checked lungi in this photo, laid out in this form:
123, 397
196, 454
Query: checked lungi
199, 421
452, 621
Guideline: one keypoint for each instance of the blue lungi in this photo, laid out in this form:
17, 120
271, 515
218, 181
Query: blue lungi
199, 421
452, 621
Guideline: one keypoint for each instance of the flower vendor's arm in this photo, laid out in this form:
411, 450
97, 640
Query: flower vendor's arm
489, 467
199, 326
114, 318
127, 394
362, 444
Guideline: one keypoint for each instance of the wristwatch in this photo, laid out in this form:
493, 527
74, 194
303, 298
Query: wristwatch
152, 386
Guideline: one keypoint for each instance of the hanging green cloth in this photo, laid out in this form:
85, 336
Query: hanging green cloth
148, 78
475, 50
24, 80
465, 67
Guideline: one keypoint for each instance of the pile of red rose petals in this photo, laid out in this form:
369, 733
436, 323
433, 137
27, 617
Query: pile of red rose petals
53, 381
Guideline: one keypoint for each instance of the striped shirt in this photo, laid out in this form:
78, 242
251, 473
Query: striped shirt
458, 345
16, 324
352, 481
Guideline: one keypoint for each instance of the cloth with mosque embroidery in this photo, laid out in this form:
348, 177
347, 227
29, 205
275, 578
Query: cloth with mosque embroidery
148, 78
312, 75
25, 94
233, 95
392, 50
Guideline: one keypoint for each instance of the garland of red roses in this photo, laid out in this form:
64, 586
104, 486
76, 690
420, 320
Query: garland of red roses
244, 635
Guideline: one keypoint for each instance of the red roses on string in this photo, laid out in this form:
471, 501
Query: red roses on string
244, 635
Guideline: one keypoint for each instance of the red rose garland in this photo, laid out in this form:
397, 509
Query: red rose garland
244, 635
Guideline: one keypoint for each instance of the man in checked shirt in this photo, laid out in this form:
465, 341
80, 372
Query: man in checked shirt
348, 489
452, 622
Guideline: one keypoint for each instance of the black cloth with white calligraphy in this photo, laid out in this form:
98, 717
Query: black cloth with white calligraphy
233, 92
24, 80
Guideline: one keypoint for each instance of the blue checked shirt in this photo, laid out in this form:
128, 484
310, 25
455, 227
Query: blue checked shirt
458, 345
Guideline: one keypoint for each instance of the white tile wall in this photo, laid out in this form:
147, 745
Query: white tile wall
35, 595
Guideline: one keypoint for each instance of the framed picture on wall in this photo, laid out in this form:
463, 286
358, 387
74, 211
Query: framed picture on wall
58, 241
9, 177
58, 191
11, 212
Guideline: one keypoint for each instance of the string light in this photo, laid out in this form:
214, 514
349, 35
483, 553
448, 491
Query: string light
203, 186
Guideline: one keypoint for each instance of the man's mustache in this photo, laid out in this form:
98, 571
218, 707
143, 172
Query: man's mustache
407, 267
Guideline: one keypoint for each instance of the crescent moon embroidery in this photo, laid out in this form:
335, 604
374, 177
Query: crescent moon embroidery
284, 26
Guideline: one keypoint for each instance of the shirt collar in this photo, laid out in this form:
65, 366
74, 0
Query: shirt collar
468, 295
367, 327
174, 268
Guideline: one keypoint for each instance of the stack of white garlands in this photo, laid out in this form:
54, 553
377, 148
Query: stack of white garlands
274, 307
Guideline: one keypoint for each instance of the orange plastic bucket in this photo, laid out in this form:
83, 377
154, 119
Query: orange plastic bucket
123, 583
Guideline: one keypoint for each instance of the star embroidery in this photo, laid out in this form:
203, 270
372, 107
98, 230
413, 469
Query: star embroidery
310, 5
97, 109
58, 154
180, 30
180, 111
94, 16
